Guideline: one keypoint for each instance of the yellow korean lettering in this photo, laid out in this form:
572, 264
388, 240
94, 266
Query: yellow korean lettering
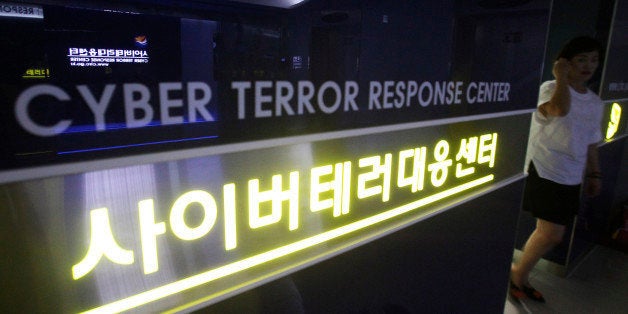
439, 168
317, 188
468, 152
177, 215
340, 186
377, 170
345, 192
276, 196
231, 239
417, 178
101, 243
149, 230
487, 147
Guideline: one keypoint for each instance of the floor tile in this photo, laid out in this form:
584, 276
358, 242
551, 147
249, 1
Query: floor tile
599, 284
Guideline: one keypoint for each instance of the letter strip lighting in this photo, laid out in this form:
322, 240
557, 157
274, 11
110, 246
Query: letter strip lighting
244, 264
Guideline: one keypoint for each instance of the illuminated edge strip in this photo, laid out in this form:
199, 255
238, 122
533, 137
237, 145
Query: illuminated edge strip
241, 265
107, 163
134, 145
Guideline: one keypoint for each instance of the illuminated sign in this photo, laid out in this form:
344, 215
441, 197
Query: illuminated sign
331, 188
259, 219
286, 169
21, 10
102, 80
614, 121
100, 57
36, 73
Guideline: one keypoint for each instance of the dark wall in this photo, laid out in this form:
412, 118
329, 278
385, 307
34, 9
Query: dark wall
577, 18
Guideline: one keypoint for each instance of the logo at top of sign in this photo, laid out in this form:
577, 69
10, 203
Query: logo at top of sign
141, 41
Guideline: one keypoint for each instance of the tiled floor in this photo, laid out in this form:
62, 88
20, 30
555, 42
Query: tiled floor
599, 284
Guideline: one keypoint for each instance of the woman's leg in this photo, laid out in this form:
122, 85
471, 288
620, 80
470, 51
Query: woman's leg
545, 237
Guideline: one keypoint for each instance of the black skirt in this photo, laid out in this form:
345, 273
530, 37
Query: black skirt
548, 200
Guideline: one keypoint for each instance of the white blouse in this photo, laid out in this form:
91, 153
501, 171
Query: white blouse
558, 145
